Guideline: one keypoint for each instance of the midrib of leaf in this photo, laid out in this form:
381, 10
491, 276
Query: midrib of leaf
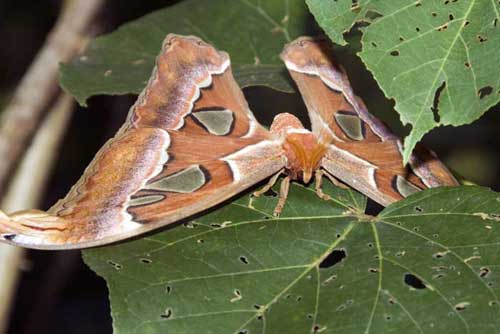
407, 152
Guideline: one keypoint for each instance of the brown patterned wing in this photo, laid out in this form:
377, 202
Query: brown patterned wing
189, 143
362, 151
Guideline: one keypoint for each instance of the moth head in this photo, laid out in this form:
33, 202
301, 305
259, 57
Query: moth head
304, 154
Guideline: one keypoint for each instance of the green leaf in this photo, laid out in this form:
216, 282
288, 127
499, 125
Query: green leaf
437, 59
427, 264
252, 31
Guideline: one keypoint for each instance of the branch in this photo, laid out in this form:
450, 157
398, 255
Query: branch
34, 95
26, 189
39, 85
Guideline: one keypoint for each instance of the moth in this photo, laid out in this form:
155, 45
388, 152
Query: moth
190, 142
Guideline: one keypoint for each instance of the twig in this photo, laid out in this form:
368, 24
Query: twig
26, 190
39, 85
33, 96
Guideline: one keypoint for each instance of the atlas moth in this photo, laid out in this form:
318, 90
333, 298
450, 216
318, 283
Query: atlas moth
190, 142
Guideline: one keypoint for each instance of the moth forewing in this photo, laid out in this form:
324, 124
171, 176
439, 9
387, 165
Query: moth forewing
189, 143
362, 152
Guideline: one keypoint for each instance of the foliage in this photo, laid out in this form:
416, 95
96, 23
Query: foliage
121, 62
323, 266
437, 59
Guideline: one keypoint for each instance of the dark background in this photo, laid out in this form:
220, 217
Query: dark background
57, 292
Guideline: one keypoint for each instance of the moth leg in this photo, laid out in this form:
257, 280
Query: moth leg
284, 188
269, 185
335, 182
318, 181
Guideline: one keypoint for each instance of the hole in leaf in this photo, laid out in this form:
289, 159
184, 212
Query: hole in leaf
115, 265
355, 6
414, 282
417, 29
244, 331
237, 296
443, 27
319, 328
373, 270
388, 317
333, 258
492, 303
270, 193
481, 39
243, 259
168, 289
257, 306
435, 103
338, 235
374, 44
434, 14
392, 301
189, 225
216, 225
299, 298
485, 91
370, 245
330, 279
146, 261
462, 306
416, 229
466, 23
419, 209
394, 53
418, 4
200, 241
167, 314
439, 255
401, 39
309, 316
451, 17
484, 271
467, 64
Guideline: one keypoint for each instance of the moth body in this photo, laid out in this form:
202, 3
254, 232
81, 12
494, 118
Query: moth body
301, 148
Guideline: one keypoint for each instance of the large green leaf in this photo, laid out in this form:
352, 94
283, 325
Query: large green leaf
437, 59
427, 264
252, 31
